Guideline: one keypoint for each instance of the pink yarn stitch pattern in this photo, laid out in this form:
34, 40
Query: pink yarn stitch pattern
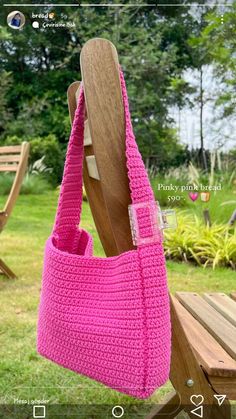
106, 318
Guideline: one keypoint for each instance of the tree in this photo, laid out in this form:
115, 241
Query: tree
218, 45
153, 47
5, 84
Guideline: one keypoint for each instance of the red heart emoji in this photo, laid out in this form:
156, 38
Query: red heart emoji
193, 196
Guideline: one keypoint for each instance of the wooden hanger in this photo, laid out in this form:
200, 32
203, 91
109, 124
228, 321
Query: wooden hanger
105, 173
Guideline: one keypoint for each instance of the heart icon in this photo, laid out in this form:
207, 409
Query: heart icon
197, 399
193, 196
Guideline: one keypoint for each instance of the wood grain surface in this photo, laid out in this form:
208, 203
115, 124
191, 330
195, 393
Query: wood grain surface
210, 354
93, 187
100, 74
220, 328
223, 304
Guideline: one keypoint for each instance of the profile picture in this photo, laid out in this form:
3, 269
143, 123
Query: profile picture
16, 20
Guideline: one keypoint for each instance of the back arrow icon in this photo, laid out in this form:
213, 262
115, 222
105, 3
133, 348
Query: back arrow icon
198, 411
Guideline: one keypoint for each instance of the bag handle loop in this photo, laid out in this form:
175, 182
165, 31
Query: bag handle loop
71, 195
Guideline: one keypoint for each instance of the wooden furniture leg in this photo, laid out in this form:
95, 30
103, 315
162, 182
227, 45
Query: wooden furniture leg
184, 367
5, 270
100, 73
170, 408
12, 159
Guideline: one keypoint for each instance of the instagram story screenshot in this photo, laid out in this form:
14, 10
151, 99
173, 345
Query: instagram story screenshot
118, 209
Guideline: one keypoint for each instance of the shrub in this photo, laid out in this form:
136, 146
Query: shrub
32, 184
207, 246
6, 180
49, 148
35, 185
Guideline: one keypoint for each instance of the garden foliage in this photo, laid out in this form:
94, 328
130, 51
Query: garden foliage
47, 147
192, 241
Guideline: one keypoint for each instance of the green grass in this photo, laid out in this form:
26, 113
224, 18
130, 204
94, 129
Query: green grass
23, 373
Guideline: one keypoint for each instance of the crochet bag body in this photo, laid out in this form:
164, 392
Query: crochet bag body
106, 318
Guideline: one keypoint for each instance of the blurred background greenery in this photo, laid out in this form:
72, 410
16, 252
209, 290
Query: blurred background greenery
156, 46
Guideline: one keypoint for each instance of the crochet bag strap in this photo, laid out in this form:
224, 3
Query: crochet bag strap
70, 200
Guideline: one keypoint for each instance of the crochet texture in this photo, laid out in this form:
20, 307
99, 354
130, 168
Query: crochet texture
106, 318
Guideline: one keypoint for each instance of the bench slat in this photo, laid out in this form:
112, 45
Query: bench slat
223, 304
14, 149
210, 354
8, 167
10, 158
233, 295
223, 385
220, 328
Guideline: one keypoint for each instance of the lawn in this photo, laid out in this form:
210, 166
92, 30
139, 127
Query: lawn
23, 373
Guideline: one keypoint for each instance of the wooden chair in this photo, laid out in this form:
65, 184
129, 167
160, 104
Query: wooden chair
203, 351
12, 159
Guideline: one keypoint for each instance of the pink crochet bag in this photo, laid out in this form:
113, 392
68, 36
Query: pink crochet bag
106, 318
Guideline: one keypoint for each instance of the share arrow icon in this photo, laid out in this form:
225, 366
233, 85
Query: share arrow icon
198, 411
220, 398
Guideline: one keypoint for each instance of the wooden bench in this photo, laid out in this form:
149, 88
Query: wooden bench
203, 354
13, 159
